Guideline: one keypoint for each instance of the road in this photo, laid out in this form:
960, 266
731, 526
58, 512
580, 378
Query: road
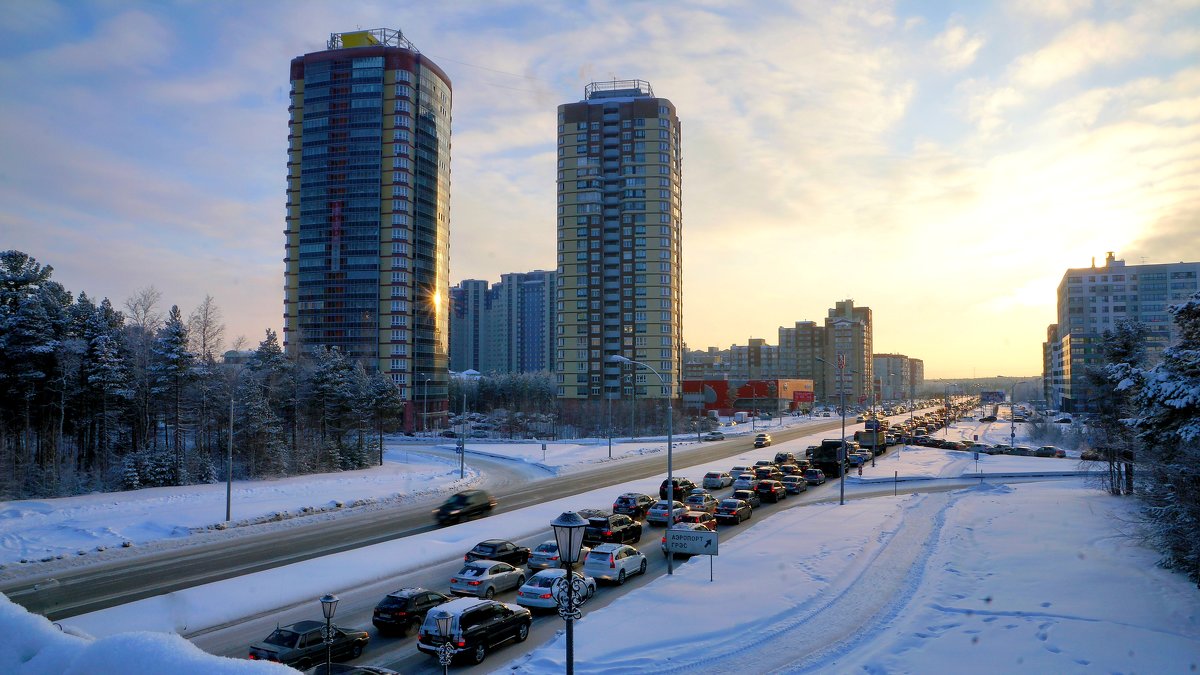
400, 653
224, 555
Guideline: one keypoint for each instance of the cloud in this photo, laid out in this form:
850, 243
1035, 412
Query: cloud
955, 47
1076, 50
1051, 9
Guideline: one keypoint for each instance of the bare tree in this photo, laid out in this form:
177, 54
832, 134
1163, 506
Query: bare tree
142, 309
205, 328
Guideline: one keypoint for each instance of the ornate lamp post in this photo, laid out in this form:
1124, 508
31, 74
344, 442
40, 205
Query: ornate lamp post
570, 591
328, 607
446, 649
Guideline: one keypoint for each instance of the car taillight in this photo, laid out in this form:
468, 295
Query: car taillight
612, 562
554, 558
453, 580
252, 657
473, 583
545, 596
467, 558
461, 643
608, 533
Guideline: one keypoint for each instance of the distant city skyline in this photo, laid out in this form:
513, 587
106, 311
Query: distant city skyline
942, 168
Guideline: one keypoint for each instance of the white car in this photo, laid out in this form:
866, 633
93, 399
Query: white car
484, 578
745, 481
659, 512
538, 592
717, 480
614, 562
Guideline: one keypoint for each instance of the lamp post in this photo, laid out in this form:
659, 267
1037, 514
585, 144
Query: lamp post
445, 651
569, 590
841, 366
233, 380
1012, 414
425, 405
328, 606
617, 358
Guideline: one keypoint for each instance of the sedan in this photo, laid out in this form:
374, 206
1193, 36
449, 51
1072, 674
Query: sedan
762, 440
706, 519
701, 502
745, 481
545, 556
713, 436
748, 496
770, 490
715, 480
795, 484
733, 511
302, 644
484, 578
614, 562
662, 513
538, 592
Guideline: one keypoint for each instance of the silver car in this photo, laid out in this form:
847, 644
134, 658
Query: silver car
484, 578
745, 481
545, 556
614, 562
538, 592
660, 512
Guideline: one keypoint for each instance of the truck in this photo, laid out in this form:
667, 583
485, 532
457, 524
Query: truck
874, 440
829, 457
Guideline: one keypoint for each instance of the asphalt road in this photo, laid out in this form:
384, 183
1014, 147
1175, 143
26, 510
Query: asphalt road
93, 587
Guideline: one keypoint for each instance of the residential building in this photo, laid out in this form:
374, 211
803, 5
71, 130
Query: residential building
848, 334
799, 348
368, 211
619, 244
1092, 300
916, 376
892, 377
469, 303
755, 360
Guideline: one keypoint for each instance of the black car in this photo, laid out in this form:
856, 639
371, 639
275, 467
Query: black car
988, 418
733, 511
499, 549
405, 608
683, 486
633, 504
476, 627
617, 528
465, 505
770, 490
302, 644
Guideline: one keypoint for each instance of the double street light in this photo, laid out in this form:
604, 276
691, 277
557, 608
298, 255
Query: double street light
617, 358
841, 366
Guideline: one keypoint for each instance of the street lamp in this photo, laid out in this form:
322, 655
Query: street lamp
328, 606
425, 405
1012, 414
445, 651
569, 590
617, 358
233, 380
841, 366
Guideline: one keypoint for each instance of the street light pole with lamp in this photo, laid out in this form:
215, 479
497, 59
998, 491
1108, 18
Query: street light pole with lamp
233, 381
1012, 414
570, 590
328, 607
841, 366
425, 405
617, 358
445, 651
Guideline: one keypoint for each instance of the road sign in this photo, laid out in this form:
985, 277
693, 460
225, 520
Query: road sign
694, 542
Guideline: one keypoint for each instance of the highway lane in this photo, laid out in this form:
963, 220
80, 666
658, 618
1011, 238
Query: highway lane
222, 555
400, 653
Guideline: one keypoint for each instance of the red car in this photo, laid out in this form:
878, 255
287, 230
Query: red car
701, 517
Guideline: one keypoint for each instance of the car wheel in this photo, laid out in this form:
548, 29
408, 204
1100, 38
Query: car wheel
638, 537
520, 581
489, 594
621, 577
302, 665
642, 567
478, 653
523, 632
356, 651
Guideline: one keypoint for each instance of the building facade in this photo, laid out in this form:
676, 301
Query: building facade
619, 244
368, 210
469, 303
892, 377
848, 334
799, 347
1092, 300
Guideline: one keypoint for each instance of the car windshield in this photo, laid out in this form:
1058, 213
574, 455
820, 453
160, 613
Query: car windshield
546, 548
599, 556
457, 500
392, 601
471, 571
695, 499
729, 504
283, 638
712, 475
484, 549
539, 581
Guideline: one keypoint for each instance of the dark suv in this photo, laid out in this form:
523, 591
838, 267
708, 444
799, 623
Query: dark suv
614, 529
633, 504
498, 549
770, 490
476, 627
465, 505
683, 486
404, 608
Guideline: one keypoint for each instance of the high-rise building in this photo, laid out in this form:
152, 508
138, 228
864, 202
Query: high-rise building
619, 243
368, 211
1092, 300
848, 340
799, 347
916, 376
891, 376
503, 329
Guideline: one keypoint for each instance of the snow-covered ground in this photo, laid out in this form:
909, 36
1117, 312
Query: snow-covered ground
1028, 578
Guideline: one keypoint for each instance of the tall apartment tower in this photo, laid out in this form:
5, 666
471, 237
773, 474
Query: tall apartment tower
848, 334
1094, 299
891, 376
619, 244
469, 302
368, 211
507, 328
799, 347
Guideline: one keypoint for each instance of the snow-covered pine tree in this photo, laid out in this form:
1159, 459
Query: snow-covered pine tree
1168, 424
1122, 353
173, 367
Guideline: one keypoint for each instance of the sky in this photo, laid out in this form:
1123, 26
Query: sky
942, 163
